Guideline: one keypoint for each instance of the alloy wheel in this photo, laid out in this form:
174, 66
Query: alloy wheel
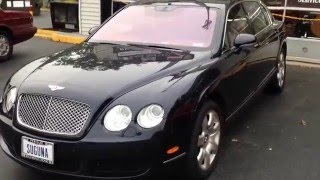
4, 45
208, 140
281, 70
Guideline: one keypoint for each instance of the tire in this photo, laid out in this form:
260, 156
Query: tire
278, 81
199, 167
6, 45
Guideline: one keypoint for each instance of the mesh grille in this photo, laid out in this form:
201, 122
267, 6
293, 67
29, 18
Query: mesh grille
51, 114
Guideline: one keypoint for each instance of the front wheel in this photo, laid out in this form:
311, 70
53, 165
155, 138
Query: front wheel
277, 83
6, 45
205, 143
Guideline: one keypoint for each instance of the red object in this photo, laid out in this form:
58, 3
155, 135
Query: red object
31, 9
19, 24
173, 150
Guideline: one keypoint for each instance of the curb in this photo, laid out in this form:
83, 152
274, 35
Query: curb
57, 37
303, 64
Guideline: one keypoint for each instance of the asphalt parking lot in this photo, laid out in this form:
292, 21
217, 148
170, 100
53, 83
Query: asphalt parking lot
276, 137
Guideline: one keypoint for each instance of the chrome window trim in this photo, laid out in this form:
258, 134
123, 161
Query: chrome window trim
268, 17
225, 25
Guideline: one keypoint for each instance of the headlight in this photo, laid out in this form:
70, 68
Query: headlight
150, 116
118, 118
10, 98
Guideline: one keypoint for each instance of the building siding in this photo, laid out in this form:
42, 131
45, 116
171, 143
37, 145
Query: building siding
90, 15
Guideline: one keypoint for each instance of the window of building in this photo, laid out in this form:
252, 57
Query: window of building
299, 23
306, 26
274, 2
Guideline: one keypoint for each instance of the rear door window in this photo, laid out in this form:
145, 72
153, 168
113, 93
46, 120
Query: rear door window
237, 23
258, 15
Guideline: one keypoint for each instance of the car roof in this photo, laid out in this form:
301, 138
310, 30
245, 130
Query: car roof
227, 3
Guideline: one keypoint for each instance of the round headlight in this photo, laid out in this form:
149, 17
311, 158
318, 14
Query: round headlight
118, 118
10, 98
150, 116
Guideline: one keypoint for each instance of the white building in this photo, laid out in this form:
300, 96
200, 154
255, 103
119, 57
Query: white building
89, 15
93, 12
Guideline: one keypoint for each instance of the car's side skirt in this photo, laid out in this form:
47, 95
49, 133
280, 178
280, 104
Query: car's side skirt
250, 97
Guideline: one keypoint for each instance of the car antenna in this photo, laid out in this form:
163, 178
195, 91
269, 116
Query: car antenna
207, 22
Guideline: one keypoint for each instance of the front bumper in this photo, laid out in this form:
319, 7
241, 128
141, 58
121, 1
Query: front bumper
85, 158
24, 34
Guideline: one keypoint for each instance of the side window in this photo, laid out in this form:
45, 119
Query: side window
258, 16
237, 23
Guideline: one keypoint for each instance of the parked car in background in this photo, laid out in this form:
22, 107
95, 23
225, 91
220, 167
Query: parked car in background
15, 27
151, 88
33, 6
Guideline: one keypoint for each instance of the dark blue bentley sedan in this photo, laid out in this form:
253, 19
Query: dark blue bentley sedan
151, 88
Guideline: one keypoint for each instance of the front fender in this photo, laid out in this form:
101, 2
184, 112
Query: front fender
16, 81
178, 94
18, 78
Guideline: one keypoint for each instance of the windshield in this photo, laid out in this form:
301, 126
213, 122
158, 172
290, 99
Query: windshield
182, 26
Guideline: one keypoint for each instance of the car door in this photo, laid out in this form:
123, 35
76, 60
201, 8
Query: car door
237, 84
264, 58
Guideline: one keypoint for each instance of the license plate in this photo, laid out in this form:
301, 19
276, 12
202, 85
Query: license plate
37, 150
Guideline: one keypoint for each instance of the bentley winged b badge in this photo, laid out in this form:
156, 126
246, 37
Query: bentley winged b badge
56, 88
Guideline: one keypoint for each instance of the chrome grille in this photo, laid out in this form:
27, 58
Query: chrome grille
52, 114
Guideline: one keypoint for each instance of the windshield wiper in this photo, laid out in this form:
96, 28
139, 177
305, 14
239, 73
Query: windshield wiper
157, 47
109, 43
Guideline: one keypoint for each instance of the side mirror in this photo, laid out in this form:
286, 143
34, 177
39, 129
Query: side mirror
244, 39
93, 30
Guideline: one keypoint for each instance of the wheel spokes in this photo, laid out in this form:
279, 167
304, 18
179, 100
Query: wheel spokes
208, 140
201, 140
201, 156
281, 70
205, 125
207, 160
4, 45
214, 138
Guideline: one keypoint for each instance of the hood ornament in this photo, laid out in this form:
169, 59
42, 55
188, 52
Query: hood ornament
56, 88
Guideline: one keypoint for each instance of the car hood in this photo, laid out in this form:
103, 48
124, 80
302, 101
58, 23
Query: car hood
93, 73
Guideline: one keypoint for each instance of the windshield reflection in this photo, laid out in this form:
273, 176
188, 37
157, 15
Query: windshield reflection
101, 57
